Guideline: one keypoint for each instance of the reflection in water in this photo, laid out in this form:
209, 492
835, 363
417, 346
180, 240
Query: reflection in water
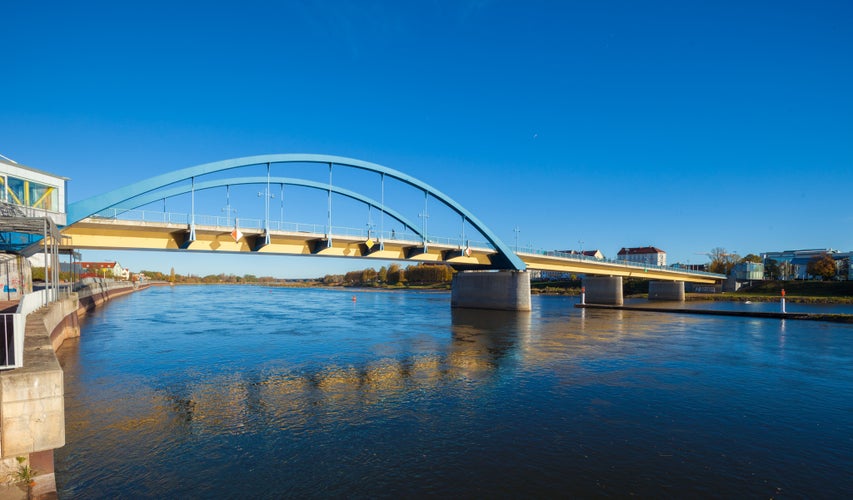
400, 396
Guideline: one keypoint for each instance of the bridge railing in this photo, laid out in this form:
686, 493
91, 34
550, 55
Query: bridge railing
274, 225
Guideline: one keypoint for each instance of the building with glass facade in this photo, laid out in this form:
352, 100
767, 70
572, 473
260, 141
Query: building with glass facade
32, 193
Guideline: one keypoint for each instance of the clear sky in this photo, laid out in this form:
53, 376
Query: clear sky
683, 125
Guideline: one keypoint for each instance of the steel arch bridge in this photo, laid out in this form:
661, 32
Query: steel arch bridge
87, 230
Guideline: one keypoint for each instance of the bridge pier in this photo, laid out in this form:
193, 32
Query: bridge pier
503, 290
666, 290
605, 290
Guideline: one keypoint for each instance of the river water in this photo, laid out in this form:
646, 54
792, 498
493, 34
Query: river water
253, 392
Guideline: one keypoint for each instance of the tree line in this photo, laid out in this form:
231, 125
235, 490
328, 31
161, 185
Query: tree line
173, 277
421, 274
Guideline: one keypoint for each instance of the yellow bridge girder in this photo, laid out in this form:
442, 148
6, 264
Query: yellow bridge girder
112, 234
598, 267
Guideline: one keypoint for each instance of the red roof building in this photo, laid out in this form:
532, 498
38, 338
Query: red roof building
105, 269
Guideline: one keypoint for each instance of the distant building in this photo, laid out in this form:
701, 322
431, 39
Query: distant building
650, 256
105, 270
793, 264
748, 271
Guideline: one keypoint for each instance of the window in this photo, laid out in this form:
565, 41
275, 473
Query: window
29, 194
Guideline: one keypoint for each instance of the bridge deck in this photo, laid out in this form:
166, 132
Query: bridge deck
97, 233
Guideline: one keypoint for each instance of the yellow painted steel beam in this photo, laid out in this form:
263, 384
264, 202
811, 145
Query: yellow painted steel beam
568, 265
133, 235
108, 234
43, 197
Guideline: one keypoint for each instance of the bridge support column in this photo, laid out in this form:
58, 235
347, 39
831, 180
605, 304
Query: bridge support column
666, 290
504, 290
603, 290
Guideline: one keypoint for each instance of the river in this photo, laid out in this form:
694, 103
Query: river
254, 392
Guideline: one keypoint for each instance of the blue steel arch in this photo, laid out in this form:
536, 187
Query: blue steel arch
153, 196
505, 259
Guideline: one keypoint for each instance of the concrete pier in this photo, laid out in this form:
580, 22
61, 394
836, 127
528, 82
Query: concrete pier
605, 290
666, 290
502, 290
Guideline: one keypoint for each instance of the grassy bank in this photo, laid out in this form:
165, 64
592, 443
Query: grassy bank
804, 292
563, 287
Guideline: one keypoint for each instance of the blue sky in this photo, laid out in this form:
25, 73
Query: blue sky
683, 125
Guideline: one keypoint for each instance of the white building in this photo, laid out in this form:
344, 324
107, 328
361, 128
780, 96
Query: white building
649, 256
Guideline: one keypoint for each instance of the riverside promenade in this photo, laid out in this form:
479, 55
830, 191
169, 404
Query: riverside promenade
32, 400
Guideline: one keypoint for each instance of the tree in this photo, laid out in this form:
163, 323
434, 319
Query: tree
368, 275
335, 279
722, 262
751, 257
822, 266
429, 273
395, 274
172, 275
383, 274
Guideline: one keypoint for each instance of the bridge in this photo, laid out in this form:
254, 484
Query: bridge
125, 219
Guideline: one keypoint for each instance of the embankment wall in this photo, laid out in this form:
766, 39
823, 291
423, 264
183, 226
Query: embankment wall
32, 398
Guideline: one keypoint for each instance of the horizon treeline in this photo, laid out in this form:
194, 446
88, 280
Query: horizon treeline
419, 274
